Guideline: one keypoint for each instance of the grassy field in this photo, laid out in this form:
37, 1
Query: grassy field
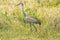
12, 26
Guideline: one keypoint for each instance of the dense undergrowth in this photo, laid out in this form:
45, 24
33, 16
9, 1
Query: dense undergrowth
12, 26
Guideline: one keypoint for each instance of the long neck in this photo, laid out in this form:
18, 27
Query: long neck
23, 10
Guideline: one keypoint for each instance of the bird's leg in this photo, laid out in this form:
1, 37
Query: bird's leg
24, 20
34, 27
30, 27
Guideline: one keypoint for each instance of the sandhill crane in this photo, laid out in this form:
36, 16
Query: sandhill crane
30, 19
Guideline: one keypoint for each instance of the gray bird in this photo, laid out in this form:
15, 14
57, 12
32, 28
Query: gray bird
30, 19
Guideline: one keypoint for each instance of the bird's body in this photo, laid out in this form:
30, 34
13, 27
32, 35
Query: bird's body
32, 20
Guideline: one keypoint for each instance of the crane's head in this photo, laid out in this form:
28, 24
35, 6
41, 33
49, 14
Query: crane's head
19, 4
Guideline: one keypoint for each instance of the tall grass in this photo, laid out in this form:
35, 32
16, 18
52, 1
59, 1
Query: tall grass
12, 26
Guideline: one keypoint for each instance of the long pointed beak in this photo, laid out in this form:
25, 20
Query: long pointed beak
17, 4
